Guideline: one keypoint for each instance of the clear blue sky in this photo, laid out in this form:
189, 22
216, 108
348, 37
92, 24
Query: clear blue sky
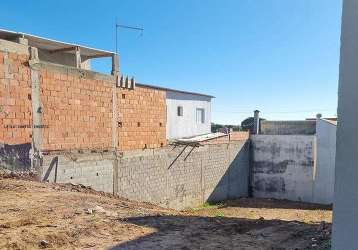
278, 56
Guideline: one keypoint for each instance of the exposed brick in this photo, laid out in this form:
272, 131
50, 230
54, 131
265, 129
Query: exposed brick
77, 111
140, 112
76, 118
15, 108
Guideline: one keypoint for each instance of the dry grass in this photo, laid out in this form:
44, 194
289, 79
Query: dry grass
75, 217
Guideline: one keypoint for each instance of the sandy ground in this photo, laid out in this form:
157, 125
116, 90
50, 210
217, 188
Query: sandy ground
38, 215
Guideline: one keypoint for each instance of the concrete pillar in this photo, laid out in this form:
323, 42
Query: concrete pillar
22, 40
115, 64
133, 83
256, 122
115, 73
78, 60
35, 154
345, 212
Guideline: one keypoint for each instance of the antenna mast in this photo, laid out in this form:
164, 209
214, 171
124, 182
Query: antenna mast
125, 27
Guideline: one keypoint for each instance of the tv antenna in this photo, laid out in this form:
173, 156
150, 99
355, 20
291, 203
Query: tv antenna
126, 27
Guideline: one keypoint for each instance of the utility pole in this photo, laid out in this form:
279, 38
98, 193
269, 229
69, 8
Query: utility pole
115, 73
125, 27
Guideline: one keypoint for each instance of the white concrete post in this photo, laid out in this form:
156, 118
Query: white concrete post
78, 61
36, 144
345, 212
115, 73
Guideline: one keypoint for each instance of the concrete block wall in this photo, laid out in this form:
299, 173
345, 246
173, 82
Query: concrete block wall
90, 169
208, 173
283, 166
173, 177
288, 127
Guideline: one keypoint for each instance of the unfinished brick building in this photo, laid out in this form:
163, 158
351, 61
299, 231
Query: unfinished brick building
51, 100
71, 124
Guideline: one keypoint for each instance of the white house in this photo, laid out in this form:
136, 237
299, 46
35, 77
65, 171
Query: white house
188, 114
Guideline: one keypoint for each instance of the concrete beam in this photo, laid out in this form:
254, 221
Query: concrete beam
72, 48
13, 47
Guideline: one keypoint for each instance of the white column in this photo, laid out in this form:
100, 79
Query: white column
345, 212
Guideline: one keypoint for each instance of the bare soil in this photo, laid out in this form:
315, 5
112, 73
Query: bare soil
65, 216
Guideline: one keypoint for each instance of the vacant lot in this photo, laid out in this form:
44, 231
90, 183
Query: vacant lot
39, 215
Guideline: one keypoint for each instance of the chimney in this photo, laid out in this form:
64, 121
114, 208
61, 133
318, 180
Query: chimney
256, 122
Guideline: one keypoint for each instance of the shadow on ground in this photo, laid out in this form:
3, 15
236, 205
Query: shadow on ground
272, 204
195, 232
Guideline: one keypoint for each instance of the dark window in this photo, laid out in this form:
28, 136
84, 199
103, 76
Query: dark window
180, 111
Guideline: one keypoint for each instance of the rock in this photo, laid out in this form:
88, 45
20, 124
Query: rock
322, 226
111, 214
99, 209
260, 236
43, 243
89, 211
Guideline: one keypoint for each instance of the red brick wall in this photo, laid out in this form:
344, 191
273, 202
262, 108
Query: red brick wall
15, 99
77, 111
142, 114
234, 136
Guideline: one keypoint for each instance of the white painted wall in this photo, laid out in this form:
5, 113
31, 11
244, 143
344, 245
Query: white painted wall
186, 125
283, 166
325, 161
345, 209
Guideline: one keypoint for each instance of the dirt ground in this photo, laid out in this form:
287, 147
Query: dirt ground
39, 215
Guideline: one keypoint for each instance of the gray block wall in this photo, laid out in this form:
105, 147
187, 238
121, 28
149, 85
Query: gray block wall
175, 177
283, 166
288, 127
92, 169
15, 157
208, 173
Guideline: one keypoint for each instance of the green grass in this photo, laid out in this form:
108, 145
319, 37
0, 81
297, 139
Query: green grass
219, 214
206, 205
